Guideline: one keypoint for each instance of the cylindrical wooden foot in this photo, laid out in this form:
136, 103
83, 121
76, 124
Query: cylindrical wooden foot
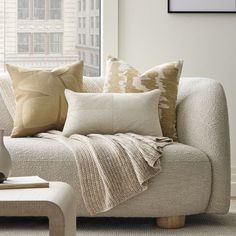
173, 222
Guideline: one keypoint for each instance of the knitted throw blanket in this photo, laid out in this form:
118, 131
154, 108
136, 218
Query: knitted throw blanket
112, 168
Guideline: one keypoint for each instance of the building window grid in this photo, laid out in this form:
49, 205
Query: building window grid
84, 5
55, 8
97, 4
40, 10
92, 4
97, 40
23, 45
23, 9
92, 22
92, 40
91, 59
40, 43
97, 22
55, 43
84, 39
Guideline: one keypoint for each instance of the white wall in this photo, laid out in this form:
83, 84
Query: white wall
148, 35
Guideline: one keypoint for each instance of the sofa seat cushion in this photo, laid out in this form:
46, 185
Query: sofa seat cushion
182, 188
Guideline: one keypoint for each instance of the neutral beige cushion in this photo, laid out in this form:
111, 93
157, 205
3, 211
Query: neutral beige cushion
112, 113
40, 99
123, 78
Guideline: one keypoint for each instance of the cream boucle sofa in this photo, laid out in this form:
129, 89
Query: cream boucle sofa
195, 175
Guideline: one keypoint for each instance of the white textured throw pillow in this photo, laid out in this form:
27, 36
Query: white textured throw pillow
111, 113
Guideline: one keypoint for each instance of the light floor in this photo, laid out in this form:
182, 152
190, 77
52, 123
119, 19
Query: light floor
200, 225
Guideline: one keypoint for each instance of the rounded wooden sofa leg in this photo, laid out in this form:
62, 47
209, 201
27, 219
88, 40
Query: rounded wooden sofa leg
172, 222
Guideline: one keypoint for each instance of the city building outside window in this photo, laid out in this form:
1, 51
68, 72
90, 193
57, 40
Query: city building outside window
23, 45
84, 57
91, 59
39, 9
92, 22
97, 40
84, 5
55, 43
97, 4
92, 40
39, 43
97, 22
55, 9
84, 39
52, 28
97, 60
92, 4
23, 9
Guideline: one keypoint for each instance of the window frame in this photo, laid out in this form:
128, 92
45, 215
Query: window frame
33, 11
54, 9
29, 43
18, 9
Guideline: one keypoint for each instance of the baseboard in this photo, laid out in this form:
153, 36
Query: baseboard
233, 181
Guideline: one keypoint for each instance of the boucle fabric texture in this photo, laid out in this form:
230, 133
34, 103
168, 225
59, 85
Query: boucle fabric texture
185, 177
111, 113
123, 78
40, 99
112, 168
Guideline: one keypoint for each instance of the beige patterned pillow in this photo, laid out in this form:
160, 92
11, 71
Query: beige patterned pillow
123, 78
40, 99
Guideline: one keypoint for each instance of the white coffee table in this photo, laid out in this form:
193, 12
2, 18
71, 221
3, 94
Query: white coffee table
56, 202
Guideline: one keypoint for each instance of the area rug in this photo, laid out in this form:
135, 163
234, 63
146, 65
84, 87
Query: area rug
200, 225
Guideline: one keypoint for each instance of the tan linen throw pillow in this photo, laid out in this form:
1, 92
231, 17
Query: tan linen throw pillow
111, 113
40, 99
123, 78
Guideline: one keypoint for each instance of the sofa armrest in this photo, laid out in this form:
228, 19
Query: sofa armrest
202, 122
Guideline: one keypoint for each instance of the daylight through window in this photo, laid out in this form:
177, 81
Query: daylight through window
50, 33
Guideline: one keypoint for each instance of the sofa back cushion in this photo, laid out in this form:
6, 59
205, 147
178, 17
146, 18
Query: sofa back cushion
40, 99
8, 104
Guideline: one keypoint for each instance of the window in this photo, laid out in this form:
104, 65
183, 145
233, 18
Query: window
23, 45
92, 4
97, 22
92, 40
79, 5
92, 22
84, 57
91, 59
55, 43
97, 60
50, 33
23, 9
39, 43
97, 40
55, 9
97, 4
39, 9
84, 39
84, 5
